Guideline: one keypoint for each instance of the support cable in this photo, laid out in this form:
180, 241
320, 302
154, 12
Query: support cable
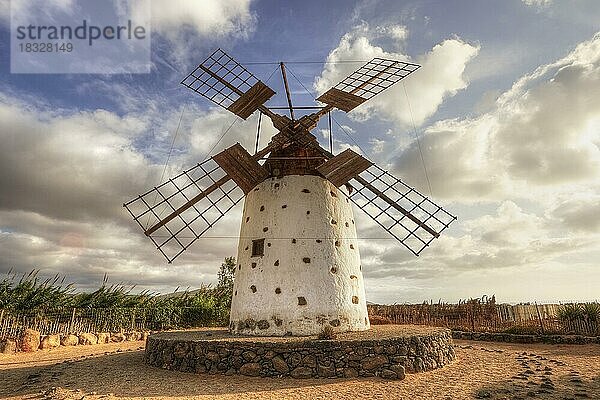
162, 175
418, 141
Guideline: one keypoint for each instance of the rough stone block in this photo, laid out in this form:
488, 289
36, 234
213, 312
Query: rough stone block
103, 337
301, 373
69, 340
8, 346
374, 362
30, 341
50, 341
88, 338
250, 369
280, 365
399, 370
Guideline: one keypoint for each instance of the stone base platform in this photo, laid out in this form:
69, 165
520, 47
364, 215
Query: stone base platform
387, 351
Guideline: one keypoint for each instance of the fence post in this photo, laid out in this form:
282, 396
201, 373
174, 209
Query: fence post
539, 317
72, 321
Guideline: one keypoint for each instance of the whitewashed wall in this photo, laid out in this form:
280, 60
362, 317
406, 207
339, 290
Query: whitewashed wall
311, 255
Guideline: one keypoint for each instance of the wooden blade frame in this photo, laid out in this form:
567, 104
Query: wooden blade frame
241, 167
173, 236
343, 167
177, 212
227, 83
410, 217
366, 82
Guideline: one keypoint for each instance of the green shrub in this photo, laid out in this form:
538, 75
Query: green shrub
113, 307
31, 295
570, 313
580, 318
327, 333
591, 312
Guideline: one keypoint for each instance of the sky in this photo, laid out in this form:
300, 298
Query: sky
506, 109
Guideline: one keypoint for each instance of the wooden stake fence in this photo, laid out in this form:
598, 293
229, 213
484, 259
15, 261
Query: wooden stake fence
477, 316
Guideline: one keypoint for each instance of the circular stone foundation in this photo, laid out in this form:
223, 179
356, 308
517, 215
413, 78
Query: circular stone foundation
387, 351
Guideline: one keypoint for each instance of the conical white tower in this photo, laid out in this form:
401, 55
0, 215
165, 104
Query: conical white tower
298, 261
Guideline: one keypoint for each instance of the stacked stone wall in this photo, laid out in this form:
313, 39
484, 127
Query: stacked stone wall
388, 358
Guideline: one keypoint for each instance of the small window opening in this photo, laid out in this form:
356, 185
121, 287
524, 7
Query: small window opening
258, 247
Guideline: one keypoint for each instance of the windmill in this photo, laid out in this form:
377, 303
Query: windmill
298, 263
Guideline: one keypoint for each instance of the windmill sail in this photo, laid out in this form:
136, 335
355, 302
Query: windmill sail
366, 82
177, 212
227, 83
401, 210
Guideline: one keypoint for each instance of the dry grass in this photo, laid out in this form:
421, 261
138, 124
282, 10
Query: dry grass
482, 370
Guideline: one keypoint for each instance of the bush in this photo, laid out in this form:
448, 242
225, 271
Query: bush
327, 333
570, 313
580, 318
30, 294
591, 312
113, 307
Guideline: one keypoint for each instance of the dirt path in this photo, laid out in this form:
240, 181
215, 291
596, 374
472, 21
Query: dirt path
481, 371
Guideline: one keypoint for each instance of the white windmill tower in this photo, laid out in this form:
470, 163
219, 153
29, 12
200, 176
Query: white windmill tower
298, 263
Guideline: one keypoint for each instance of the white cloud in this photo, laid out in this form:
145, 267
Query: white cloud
537, 3
66, 175
188, 24
33, 8
185, 24
68, 166
580, 212
541, 136
441, 75
211, 18
507, 238
535, 157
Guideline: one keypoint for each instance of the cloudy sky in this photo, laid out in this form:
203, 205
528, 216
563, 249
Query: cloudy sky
506, 107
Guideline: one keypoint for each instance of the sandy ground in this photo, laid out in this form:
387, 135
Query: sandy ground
481, 371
